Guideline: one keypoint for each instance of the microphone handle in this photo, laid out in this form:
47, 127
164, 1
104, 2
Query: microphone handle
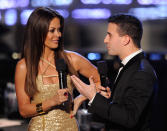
62, 81
104, 80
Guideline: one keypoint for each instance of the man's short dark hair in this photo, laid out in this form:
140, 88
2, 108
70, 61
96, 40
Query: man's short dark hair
128, 25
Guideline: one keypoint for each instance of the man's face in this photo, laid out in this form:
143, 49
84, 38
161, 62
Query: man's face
113, 40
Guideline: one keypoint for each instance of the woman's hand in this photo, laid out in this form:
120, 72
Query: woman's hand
60, 97
77, 102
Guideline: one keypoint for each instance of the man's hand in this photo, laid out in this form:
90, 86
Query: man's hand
88, 91
104, 91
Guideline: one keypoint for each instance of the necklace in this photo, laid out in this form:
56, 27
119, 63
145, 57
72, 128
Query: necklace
49, 63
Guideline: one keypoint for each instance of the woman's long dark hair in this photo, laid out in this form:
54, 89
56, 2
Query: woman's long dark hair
33, 45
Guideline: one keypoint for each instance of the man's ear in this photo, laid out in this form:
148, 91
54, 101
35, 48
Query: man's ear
126, 40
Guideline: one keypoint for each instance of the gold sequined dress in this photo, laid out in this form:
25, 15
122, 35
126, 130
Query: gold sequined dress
58, 118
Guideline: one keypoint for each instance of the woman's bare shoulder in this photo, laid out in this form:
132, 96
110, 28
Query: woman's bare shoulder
21, 64
73, 54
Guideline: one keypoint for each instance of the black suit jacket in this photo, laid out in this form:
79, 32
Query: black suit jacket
129, 108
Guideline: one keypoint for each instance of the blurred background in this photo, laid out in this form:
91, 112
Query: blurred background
85, 29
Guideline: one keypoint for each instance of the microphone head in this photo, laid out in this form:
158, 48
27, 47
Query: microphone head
60, 65
102, 67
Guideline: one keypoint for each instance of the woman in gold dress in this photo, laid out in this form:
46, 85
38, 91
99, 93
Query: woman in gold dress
36, 77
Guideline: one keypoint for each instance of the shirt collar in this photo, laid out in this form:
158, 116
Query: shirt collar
129, 57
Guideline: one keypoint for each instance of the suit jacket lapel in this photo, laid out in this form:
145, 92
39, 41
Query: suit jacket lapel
135, 58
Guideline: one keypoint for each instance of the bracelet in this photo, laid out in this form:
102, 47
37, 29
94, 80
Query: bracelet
39, 108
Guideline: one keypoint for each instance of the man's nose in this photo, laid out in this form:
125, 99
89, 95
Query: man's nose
105, 40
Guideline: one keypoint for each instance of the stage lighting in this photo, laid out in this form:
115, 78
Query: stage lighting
10, 17
126, 2
24, 16
91, 13
155, 57
90, 1
64, 13
94, 56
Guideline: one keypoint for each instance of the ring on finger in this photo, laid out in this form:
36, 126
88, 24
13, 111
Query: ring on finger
65, 93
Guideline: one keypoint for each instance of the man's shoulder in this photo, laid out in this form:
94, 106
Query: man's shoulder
141, 65
146, 67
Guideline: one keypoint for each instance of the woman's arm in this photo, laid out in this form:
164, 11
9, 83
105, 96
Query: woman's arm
26, 108
85, 68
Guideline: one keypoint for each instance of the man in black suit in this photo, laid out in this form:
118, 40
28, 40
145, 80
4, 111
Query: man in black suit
130, 105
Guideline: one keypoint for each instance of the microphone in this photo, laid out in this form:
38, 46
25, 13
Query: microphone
61, 69
103, 69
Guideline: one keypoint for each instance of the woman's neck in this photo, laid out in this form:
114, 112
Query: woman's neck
48, 54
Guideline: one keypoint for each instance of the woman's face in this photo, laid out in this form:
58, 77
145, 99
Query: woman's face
54, 34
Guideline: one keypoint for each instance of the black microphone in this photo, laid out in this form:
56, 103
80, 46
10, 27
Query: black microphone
61, 69
103, 69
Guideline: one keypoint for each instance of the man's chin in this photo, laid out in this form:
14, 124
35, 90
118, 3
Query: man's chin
110, 53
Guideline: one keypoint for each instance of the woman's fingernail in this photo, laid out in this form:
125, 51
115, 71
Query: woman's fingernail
65, 93
71, 116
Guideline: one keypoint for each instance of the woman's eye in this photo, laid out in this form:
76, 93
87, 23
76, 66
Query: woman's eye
52, 30
58, 30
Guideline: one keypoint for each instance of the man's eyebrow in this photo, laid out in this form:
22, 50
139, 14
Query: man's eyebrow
109, 33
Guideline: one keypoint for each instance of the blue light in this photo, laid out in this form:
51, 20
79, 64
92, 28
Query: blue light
162, 11
0, 16
149, 13
127, 2
91, 13
155, 56
61, 2
5, 4
22, 3
107, 1
26, 13
145, 2
24, 16
149, 2
64, 13
90, 1
36, 3
94, 56
11, 17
